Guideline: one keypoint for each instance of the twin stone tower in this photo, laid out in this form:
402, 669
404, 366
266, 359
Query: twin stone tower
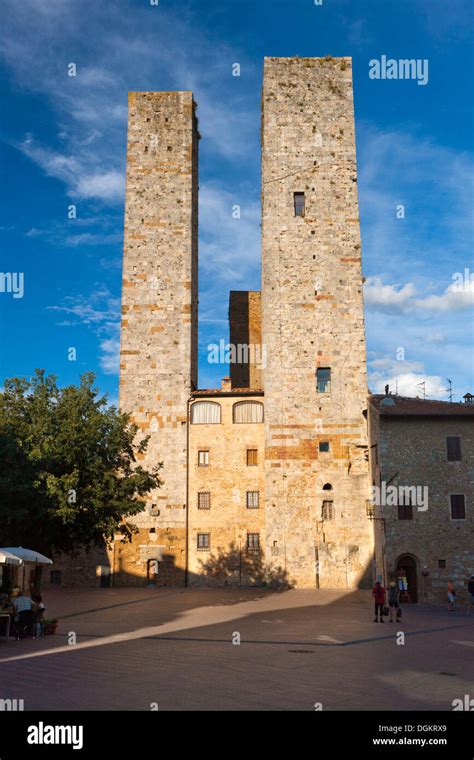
265, 480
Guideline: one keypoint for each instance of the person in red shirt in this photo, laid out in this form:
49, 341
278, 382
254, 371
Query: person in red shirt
378, 592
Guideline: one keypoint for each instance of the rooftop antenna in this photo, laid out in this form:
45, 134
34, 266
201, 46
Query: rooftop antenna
449, 390
396, 387
422, 385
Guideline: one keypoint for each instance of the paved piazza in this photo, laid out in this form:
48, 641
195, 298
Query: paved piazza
173, 649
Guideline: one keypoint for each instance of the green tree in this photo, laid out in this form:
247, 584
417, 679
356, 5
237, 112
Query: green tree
68, 472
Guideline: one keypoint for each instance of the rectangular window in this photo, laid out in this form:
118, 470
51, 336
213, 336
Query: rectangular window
458, 507
442, 564
203, 458
323, 380
204, 500
405, 508
453, 444
299, 204
328, 510
253, 542
203, 541
405, 512
55, 577
252, 499
252, 457
324, 446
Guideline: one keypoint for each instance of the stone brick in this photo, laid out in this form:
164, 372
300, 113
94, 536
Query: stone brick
312, 315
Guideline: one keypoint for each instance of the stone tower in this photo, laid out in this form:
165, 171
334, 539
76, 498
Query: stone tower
315, 384
158, 353
245, 323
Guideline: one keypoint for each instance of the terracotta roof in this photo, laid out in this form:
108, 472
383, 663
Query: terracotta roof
404, 406
231, 392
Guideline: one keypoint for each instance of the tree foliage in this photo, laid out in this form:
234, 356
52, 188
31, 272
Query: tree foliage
68, 472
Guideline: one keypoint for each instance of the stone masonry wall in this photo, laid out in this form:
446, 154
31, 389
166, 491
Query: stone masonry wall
416, 450
227, 478
245, 323
312, 316
158, 365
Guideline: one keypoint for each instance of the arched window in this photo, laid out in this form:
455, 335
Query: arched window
205, 413
327, 487
248, 411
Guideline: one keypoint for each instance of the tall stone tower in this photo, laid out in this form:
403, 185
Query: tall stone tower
158, 354
315, 384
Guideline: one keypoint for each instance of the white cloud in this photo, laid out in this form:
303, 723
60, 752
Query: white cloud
81, 182
109, 186
408, 384
396, 298
388, 297
455, 298
110, 357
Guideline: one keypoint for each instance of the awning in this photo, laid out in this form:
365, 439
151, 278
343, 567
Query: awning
6, 558
28, 555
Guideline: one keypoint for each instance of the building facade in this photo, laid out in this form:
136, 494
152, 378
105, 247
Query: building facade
422, 470
266, 479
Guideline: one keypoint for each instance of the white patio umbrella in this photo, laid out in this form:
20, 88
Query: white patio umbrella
28, 555
6, 558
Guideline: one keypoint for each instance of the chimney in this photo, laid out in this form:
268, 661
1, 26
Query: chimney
226, 384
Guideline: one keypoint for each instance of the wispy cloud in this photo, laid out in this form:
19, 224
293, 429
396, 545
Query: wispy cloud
416, 204
99, 311
99, 308
129, 48
417, 232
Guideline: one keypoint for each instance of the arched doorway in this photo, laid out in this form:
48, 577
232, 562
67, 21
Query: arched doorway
407, 568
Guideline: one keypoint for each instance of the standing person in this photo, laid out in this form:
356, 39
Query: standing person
378, 592
451, 596
39, 613
470, 591
393, 600
5, 606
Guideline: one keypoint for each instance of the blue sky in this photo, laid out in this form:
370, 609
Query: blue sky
63, 142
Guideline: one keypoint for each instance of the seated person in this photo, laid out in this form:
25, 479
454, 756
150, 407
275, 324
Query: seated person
21, 603
23, 621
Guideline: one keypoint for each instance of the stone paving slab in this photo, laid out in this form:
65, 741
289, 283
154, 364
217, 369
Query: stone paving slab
174, 647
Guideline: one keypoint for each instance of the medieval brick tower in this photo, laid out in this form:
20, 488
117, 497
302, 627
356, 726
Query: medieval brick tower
158, 364
316, 482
